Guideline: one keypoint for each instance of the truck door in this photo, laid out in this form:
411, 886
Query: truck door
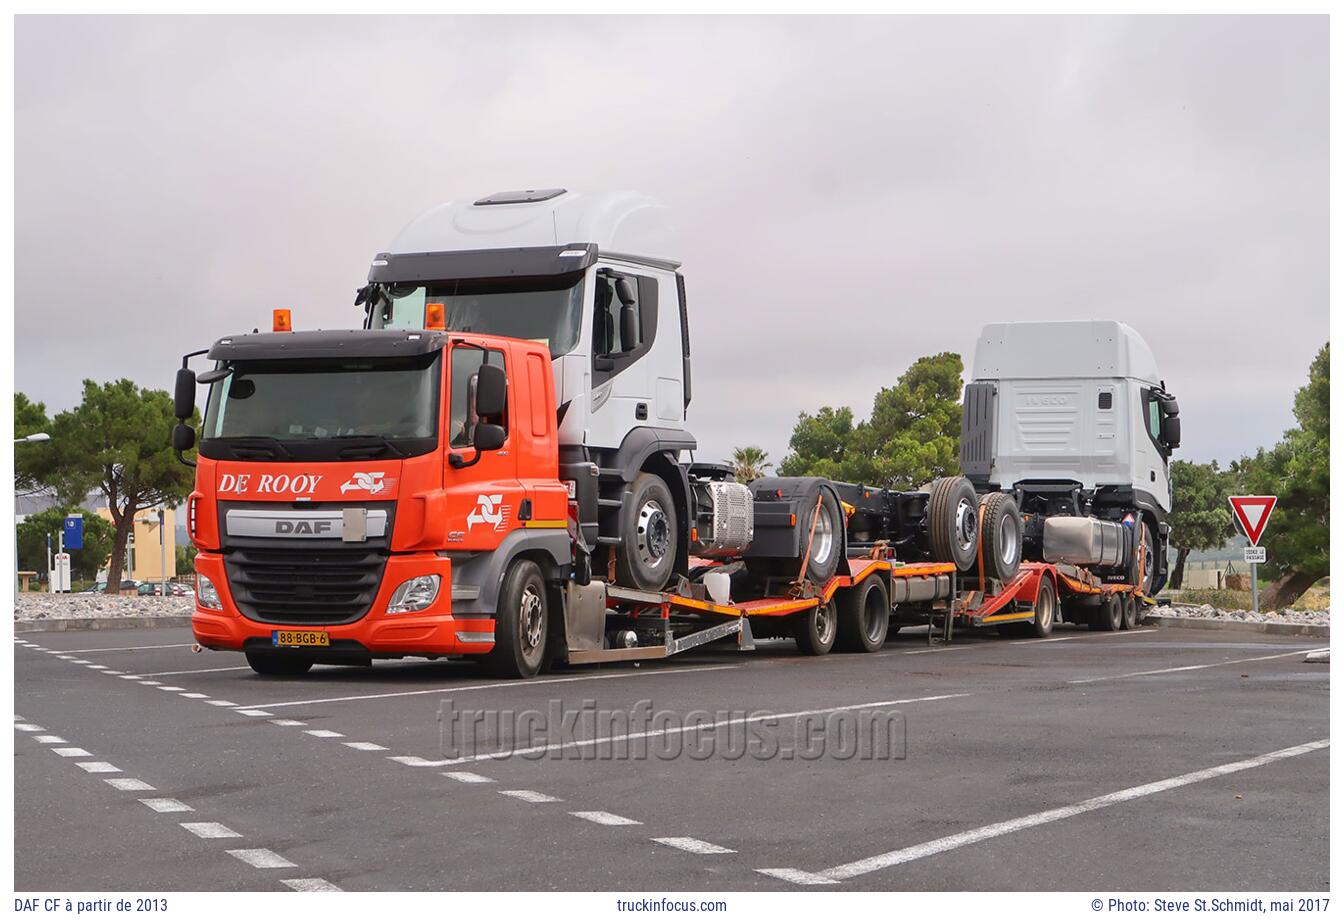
625, 320
483, 498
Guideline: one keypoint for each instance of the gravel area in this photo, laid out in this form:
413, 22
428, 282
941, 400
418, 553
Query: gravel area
1206, 612
36, 606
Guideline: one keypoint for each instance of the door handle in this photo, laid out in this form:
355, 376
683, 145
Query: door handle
641, 411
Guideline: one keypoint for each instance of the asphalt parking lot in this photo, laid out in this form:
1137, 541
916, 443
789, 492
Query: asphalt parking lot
1152, 759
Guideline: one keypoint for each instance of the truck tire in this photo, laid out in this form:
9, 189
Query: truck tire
1000, 536
279, 664
953, 522
1108, 616
521, 618
1129, 611
815, 630
647, 552
1047, 610
865, 615
827, 540
1148, 547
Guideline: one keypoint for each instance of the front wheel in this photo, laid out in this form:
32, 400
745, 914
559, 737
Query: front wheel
520, 622
279, 664
648, 549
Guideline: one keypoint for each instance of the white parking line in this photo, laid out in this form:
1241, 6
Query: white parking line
1188, 667
163, 806
605, 818
323, 733
98, 766
287, 723
114, 673
29, 727
465, 688
253, 712
463, 777
127, 784
222, 703
80, 661
309, 884
210, 830
201, 671
364, 746
944, 844
121, 648
693, 727
262, 859
97, 667
195, 696
527, 795
50, 739
171, 689
71, 752
151, 683
131, 676
691, 845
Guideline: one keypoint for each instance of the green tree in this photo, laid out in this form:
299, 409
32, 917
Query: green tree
749, 463
29, 459
186, 559
1297, 469
116, 441
84, 563
913, 434
1200, 518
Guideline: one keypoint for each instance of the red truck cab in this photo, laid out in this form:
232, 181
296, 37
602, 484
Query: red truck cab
369, 494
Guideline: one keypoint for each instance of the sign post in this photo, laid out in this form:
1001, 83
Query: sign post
1251, 513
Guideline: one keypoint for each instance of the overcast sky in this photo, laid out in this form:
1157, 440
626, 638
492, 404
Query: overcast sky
853, 193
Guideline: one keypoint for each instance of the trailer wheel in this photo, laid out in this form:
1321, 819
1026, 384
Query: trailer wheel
1001, 536
1047, 610
953, 521
520, 622
279, 664
1109, 615
648, 547
1129, 611
865, 615
815, 630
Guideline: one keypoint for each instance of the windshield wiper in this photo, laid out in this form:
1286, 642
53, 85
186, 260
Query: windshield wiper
379, 445
256, 444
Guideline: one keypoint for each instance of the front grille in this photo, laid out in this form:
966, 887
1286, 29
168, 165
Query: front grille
295, 585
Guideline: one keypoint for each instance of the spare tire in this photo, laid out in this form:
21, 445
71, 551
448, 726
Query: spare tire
823, 543
1000, 536
953, 527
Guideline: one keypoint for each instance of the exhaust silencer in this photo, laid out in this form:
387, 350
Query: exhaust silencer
1083, 541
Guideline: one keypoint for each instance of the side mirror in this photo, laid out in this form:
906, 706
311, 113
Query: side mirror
1169, 406
184, 437
1171, 431
487, 437
625, 292
184, 393
629, 326
491, 389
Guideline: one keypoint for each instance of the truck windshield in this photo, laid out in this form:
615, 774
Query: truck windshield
363, 404
546, 314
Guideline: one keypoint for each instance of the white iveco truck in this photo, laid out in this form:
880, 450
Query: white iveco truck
1073, 420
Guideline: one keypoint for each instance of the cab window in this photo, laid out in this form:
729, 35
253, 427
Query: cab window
1154, 418
461, 422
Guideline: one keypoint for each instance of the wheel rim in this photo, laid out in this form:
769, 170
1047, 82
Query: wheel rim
652, 534
1148, 559
530, 619
823, 624
823, 538
1045, 609
965, 525
872, 614
1008, 541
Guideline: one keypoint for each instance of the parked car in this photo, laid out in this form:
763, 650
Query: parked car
98, 587
155, 589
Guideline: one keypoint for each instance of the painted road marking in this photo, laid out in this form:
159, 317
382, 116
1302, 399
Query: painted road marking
463, 777
50, 739
262, 859
464, 688
201, 671
151, 683
80, 661
604, 817
127, 784
222, 703
287, 723
171, 689
412, 761
694, 727
163, 806
209, 830
195, 696
323, 733
1188, 667
364, 746
309, 884
29, 727
944, 844
98, 766
527, 795
131, 676
72, 752
116, 673
97, 667
253, 712
122, 648
691, 845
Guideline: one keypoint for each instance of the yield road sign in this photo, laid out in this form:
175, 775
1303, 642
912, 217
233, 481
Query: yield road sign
1253, 513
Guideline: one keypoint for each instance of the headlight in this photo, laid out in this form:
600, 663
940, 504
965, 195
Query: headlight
414, 594
206, 595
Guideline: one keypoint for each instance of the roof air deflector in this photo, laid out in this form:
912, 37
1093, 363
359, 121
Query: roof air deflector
524, 196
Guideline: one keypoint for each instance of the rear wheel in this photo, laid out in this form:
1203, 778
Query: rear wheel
1129, 611
648, 548
816, 629
953, 521
520, 622
865, 615
279, 664
1047, 609
1108, 616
